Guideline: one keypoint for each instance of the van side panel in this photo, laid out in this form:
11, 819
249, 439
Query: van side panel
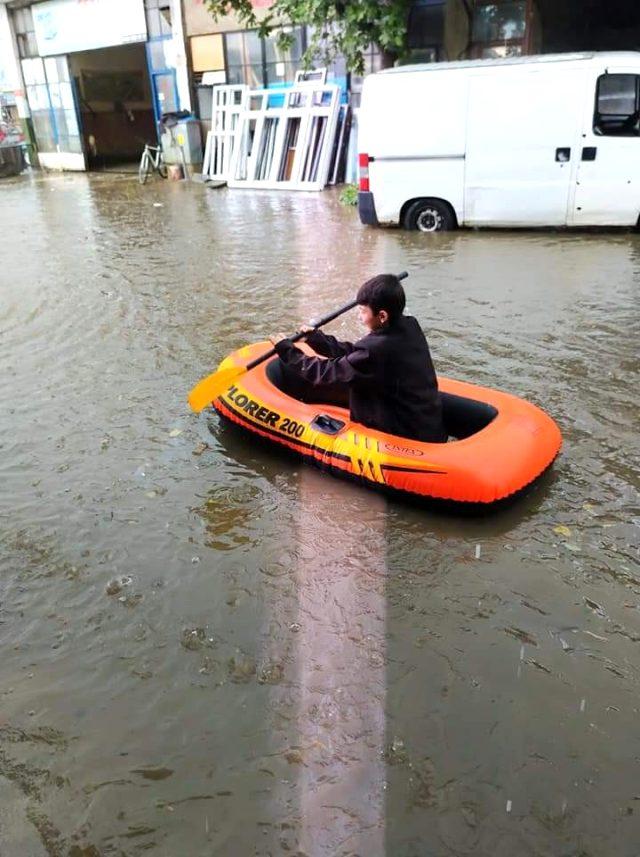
413, 126
522, 151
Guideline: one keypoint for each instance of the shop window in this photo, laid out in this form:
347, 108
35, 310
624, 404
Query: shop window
281, 65
337, 70
165, 85
500, 29
207, 53
204, 100
39, 104
207, 61
500, 22
244, 59
161, 54
617, 110
260, 62
425, 28
52, 105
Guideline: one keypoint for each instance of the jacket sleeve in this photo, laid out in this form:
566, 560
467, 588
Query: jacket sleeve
357, 365
328, 346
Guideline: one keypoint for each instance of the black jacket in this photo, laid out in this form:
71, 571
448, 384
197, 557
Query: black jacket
391, 379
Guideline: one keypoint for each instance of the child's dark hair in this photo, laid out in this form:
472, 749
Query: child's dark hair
383, 292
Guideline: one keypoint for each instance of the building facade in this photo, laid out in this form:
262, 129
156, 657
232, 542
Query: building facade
95, 76
90, 79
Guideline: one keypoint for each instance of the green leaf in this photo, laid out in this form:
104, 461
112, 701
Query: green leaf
346, 28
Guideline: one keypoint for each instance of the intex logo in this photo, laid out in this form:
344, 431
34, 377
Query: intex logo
405, 450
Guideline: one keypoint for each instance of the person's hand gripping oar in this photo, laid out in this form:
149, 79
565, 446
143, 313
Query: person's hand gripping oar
207, 390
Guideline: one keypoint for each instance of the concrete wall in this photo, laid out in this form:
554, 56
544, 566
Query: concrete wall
198, 21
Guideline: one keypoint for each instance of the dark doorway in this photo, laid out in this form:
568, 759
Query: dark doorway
114, 99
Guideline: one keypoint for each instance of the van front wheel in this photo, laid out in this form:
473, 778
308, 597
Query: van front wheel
429, 215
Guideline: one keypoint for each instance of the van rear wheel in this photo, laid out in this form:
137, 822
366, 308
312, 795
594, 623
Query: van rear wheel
429, 215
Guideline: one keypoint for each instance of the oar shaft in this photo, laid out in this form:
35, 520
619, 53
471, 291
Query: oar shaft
301, 333
271, 353
327, 318
316, 324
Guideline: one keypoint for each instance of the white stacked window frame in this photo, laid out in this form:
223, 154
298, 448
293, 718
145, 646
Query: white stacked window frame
227, 107
286, 138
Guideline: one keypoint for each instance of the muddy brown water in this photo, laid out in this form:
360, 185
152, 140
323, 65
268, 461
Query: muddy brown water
212, 650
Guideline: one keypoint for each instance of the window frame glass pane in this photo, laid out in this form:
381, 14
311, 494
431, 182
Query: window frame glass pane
624, 121
204, 99
33, 71
512, 14
273, 53
161, 52
63, 68
72, 122
234, 49
51, 69
207, 52
253, 48
66, 95
56, 96
287, 68
43, 130
38, 98
165, 86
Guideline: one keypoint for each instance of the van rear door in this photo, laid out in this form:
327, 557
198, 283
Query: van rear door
607, 188
521, 145
412, 128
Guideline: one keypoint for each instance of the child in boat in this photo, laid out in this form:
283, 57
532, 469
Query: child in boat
389, 373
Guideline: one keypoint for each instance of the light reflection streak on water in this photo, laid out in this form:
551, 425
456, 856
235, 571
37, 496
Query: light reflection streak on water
341, 659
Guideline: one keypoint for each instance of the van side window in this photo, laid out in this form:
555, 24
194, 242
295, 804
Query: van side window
618, 105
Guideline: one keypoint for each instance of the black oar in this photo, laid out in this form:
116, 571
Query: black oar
207, 390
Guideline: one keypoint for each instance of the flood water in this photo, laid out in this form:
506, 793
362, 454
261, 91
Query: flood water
208, 649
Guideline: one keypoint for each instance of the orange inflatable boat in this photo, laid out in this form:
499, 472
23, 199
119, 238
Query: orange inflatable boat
500, 443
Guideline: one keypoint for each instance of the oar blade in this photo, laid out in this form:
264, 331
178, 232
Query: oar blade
207, 390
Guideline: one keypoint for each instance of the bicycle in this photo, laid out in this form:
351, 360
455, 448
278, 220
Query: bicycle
151, 160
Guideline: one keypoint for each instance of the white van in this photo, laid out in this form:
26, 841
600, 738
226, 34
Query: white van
538, 141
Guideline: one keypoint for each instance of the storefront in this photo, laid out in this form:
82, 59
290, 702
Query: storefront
98, 76
223, 52
220, 51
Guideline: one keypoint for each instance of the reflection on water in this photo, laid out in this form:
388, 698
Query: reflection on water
209, 649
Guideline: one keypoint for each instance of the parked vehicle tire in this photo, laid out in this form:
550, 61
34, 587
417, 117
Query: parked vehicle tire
144, 168
429, 215
162, 169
